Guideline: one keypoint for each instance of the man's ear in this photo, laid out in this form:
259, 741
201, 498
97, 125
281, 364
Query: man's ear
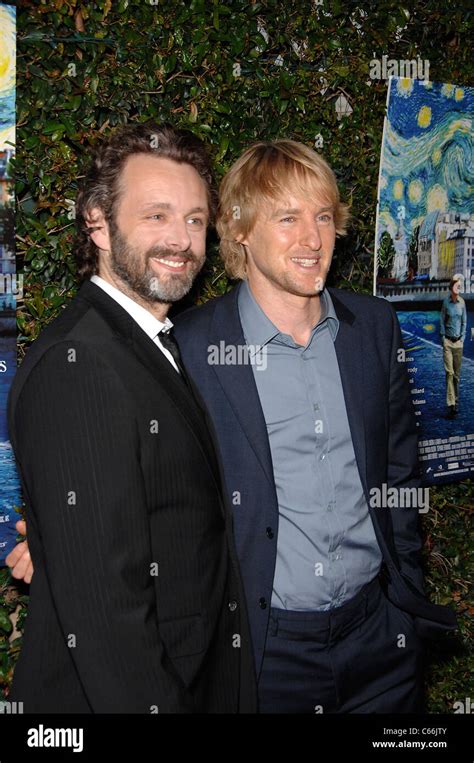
241, 240
99, 229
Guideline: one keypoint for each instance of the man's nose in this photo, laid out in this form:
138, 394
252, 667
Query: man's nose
311, 236
177, 236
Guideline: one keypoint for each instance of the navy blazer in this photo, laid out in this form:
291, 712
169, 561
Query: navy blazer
383, 429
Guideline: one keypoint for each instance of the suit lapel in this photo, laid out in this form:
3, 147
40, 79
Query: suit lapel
349, 353
238, 381
186, 404
153, 359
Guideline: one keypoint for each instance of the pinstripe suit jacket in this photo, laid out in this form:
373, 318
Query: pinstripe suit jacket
136, 604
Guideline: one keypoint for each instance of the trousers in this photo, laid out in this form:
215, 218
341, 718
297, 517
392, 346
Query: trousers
362, 657
452, 358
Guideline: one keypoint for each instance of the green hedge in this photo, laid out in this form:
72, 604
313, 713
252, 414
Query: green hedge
233, 73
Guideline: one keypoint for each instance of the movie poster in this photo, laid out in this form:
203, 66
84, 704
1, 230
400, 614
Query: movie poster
9, 493
424, 262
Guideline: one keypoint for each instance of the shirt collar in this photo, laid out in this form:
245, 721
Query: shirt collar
259, 329
147, 322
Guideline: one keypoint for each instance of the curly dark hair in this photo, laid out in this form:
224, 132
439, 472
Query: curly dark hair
101, 187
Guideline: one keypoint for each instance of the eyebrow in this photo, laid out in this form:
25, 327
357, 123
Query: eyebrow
166, 205
296, 210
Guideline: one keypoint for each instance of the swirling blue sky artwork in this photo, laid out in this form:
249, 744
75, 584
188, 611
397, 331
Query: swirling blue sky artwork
427, 154
7, 75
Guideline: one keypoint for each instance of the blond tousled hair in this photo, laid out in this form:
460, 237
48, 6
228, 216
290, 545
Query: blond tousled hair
265, 173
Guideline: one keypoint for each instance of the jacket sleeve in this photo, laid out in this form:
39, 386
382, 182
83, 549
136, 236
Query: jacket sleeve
403, 467
78, 450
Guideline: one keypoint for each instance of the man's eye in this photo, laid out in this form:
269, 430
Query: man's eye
196, 221
325, 218
155, 217
287, 219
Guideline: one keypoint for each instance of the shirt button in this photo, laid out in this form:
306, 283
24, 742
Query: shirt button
233, 605
322, 456
262, 603
270, 533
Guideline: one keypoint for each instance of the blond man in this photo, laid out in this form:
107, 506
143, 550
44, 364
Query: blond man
316, 429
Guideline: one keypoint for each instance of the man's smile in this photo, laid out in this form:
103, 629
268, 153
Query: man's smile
307, 263
176, 264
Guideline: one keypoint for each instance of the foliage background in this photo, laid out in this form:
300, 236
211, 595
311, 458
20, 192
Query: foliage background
85, 67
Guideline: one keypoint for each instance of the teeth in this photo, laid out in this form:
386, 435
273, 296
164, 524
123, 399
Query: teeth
305, 262
173, 263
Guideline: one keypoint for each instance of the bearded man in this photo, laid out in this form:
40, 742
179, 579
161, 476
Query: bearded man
136, 604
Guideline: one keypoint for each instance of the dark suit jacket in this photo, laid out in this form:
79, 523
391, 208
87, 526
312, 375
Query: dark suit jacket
383, 429
136, 603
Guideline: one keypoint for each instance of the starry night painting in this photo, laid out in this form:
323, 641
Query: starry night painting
9, 492
424, 262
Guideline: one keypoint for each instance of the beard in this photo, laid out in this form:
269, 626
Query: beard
130, 264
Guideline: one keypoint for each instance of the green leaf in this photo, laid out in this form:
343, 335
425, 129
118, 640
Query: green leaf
5, 622
51, 127
223, 146
38, 263
170, 63
31, 142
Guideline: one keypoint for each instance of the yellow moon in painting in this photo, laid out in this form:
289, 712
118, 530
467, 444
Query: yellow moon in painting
7, 51
415, 191
437, 198
424, 116
397, 189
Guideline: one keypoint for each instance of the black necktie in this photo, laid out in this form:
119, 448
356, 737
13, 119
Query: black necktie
169, 342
